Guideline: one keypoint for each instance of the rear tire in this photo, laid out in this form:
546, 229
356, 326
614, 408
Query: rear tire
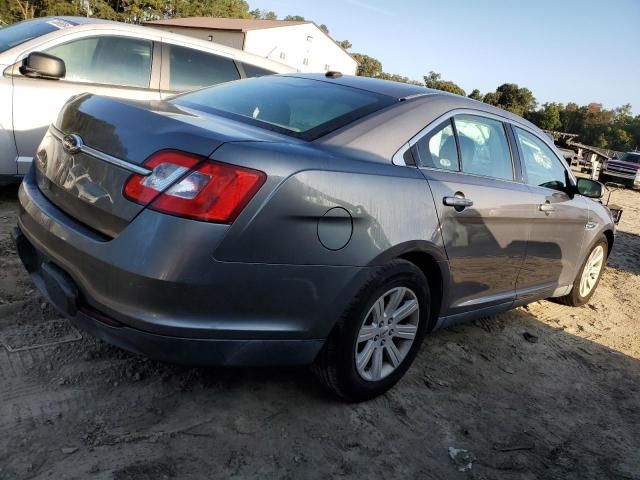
369, 349
588, 278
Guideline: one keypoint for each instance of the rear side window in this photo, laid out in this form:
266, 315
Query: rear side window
484, 147
253, 71
438, 148
191, 69
542, 166
121, 61
298, 107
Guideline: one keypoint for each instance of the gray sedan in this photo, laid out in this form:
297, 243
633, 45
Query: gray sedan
302, 219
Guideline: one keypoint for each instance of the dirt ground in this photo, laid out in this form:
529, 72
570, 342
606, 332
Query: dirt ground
480, 402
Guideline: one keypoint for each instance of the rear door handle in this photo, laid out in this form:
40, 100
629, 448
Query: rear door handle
457, 201
546, 207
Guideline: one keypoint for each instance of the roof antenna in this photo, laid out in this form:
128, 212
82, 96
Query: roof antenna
333, 74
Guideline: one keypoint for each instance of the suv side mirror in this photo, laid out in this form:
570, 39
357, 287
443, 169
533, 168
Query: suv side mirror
589, 188
43, 65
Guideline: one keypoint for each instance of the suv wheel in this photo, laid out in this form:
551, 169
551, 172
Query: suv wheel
587, 280
379, 336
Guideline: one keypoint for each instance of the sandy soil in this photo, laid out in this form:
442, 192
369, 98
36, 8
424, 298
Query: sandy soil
545, 391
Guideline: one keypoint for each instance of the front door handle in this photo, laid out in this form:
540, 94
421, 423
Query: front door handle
546, 207
458, 201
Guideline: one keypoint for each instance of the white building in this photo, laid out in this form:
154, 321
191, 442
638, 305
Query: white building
301, 45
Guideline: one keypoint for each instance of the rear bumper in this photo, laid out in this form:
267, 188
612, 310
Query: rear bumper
62, 293
157, 290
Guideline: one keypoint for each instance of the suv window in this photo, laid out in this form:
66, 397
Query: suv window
119, 61
543, 167
484, 147
191, 69
438, 148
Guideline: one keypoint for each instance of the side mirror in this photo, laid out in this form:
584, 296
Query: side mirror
589, 188
43, 65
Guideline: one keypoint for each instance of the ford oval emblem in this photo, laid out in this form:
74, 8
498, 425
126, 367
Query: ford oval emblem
72, 143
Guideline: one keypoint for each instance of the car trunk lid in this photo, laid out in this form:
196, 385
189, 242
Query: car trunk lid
97, 143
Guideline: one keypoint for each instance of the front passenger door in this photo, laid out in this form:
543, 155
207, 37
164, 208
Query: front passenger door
481, 206
558, 220
104, 65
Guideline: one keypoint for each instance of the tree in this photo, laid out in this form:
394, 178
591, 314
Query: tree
263, 14
394, 77
476, 95
324, 28
547, 117
434, 80
512, 98
367, 66
346, 44
295, 18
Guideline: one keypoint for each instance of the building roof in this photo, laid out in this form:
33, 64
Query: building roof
232, 24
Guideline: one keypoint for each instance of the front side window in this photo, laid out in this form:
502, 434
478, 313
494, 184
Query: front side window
121, 61
484, 147
438, 148
191, 69
542, 166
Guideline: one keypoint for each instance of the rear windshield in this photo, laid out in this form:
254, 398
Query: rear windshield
25, 31
298, 107
631, 157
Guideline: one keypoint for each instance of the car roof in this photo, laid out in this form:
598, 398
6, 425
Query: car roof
92, 24
396, 90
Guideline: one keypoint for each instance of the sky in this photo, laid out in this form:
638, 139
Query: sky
579, 51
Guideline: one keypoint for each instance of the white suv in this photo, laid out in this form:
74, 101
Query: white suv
102, 57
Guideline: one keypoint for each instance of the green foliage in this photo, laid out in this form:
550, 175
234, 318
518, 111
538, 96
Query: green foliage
346, 44
324, 28
434, 80
263, 14
295, 18
475, 95
367, 66
547, 117
399, 78
512, 98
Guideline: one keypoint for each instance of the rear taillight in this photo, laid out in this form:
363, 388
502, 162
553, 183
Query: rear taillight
188, 186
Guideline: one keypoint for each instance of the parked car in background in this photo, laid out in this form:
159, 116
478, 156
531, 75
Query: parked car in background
624, 170
101, 57
293, 219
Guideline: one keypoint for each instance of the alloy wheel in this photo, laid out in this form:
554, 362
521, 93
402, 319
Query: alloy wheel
387, 333
591, 271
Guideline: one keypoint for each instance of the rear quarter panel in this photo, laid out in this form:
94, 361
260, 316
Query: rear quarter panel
388, 207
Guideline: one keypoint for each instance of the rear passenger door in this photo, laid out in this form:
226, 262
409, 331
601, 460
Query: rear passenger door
481, 205
186, 68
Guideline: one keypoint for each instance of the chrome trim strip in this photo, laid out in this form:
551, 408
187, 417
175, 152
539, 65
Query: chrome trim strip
105, 157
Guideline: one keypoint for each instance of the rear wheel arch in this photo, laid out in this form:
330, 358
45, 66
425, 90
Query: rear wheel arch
432, 270
610, 239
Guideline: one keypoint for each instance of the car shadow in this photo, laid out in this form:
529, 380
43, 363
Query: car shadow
625, 255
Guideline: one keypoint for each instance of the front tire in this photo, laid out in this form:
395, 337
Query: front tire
588, 278
379, 335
